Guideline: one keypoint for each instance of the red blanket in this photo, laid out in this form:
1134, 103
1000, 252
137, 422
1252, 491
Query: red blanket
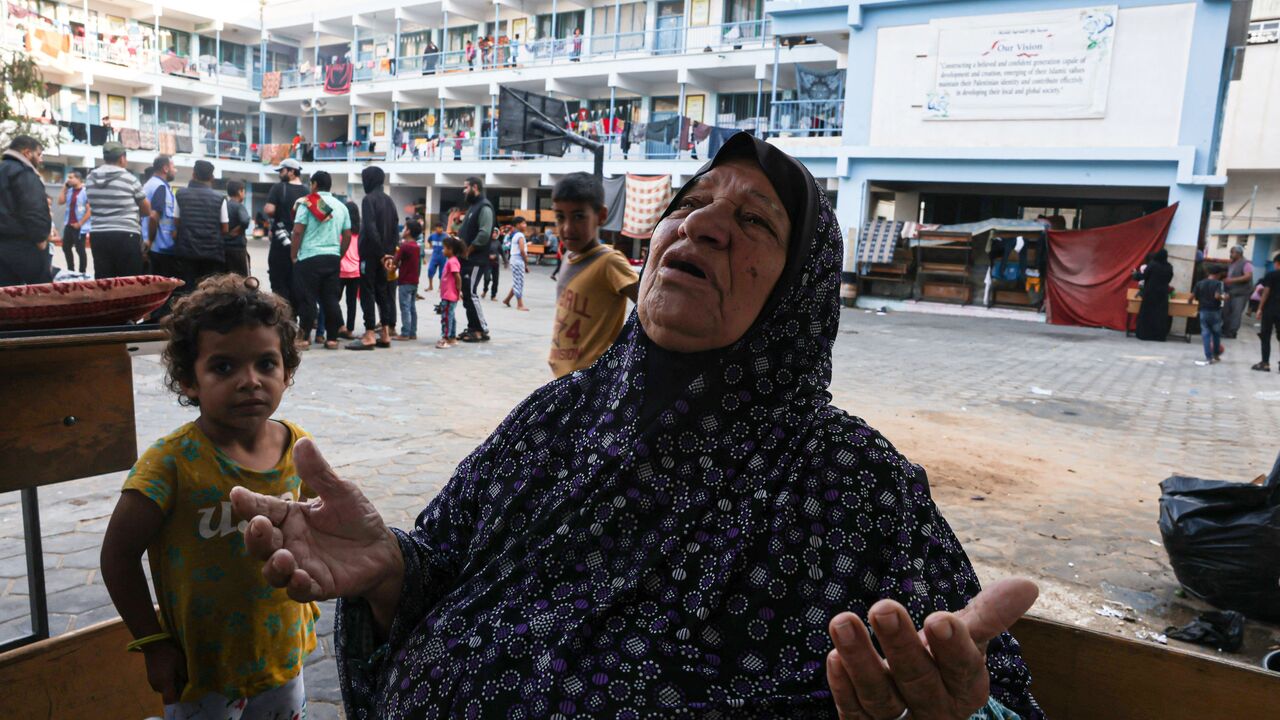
1089, 270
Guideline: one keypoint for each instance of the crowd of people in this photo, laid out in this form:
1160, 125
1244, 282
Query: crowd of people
323, 249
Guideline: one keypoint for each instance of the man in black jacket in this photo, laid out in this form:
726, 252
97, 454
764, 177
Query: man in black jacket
279, 210
379, 237
25, 222
201, 218
476, 232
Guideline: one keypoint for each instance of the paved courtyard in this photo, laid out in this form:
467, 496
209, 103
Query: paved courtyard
1044, 446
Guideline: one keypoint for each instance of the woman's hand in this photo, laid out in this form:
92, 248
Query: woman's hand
938, 673
333, 546
166, 669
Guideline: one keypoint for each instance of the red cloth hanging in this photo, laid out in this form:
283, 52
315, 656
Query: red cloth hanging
1089, 270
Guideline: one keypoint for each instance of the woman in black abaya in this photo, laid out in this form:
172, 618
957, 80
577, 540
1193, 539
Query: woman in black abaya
1157, 279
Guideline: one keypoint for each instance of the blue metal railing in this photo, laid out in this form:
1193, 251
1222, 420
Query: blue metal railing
813, 118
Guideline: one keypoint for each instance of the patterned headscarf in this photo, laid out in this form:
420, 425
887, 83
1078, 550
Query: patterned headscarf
581, 563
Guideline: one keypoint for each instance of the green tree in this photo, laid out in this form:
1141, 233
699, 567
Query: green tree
20, 77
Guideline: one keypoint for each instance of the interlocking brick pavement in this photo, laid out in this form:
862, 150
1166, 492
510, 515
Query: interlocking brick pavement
398, 421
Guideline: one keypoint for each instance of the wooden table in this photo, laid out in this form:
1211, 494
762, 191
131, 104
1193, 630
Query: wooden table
66, 412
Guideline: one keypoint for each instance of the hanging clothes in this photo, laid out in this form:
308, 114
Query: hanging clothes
131, 139
337, 78
270, 85
718, 136
646, 198
615, 198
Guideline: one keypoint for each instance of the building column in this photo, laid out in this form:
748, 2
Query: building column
395, 125
680, 127
395, 51
773, 90
613, 99
217, 129
554, 8
524, 199
217, 55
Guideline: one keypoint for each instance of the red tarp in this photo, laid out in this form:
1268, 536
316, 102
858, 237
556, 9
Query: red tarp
1089, 270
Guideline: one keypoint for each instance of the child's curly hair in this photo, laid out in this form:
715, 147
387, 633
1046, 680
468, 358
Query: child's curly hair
223, 303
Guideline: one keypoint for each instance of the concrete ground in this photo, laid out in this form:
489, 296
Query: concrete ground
1044, 447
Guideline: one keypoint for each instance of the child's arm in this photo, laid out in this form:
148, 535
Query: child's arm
134, 525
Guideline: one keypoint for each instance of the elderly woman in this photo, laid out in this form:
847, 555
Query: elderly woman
685, 529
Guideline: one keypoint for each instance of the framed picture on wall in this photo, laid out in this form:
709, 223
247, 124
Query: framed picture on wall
116, 107
693, 107
518, 29
699, 13
379, 124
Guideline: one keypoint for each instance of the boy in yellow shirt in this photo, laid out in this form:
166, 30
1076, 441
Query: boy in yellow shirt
597, 281
226, 645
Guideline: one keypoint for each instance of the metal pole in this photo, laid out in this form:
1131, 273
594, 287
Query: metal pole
497, 22
156, 49
395, 51
88, 135
316, 64
617, 25
440, 129
553, 30
680, 125
759, 99
613, 96
217, 130
217, 56
395, 125
35, 564
773, 93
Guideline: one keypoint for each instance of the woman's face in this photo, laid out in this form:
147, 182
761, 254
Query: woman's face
714, 260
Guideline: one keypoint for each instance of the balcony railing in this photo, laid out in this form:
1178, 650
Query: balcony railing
808, 118
676, 39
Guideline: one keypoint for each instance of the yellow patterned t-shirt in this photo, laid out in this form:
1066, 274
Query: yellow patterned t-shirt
241, 636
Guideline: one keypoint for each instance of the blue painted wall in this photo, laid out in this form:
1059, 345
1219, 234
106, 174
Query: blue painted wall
1200, 112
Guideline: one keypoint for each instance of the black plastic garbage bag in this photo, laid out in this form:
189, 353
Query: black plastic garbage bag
1221, 630
1223, 540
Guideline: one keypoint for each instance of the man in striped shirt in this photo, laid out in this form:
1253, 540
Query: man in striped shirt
117, 201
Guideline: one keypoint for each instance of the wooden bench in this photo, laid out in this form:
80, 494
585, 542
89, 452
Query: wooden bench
536, 252
1079, 674
86, 673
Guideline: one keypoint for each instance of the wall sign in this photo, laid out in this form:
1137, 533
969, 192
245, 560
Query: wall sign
1035, 66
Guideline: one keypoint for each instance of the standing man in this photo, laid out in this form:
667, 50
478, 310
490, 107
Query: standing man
379, 237
77, 202
476, 232
1239, 287
157, 227
201, 219
321, 234
24, 215
238, 221
118, 204
279, 211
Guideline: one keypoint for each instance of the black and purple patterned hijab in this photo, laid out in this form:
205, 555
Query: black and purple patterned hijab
585, 563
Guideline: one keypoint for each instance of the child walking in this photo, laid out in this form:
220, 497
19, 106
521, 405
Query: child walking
225, 644
1209, 293
519, 261
450, 291
409, 266
436, 265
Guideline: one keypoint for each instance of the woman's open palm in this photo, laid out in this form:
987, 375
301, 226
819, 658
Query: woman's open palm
335, 545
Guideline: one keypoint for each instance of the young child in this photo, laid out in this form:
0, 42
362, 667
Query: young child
1209, 293
436, 266
450, 291
409, 267
226, 644
519, 261
592, 294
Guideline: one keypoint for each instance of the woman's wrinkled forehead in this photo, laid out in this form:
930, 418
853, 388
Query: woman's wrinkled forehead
743, 175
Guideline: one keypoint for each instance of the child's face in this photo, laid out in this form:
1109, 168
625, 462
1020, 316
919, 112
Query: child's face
578, 223
239, 376
448, 250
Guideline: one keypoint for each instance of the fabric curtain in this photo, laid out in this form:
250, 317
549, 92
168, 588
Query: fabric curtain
615, 198
819, 84
337, 79
647, 197
270, 85
1089, 270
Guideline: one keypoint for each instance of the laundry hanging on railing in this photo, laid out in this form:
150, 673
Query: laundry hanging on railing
647, 197
615, 198
817, 85
337, 78
718, 137
270, 85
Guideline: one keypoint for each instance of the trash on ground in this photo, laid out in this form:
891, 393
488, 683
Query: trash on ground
1152, 636
1223, 630
1041, 391
1223, 541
